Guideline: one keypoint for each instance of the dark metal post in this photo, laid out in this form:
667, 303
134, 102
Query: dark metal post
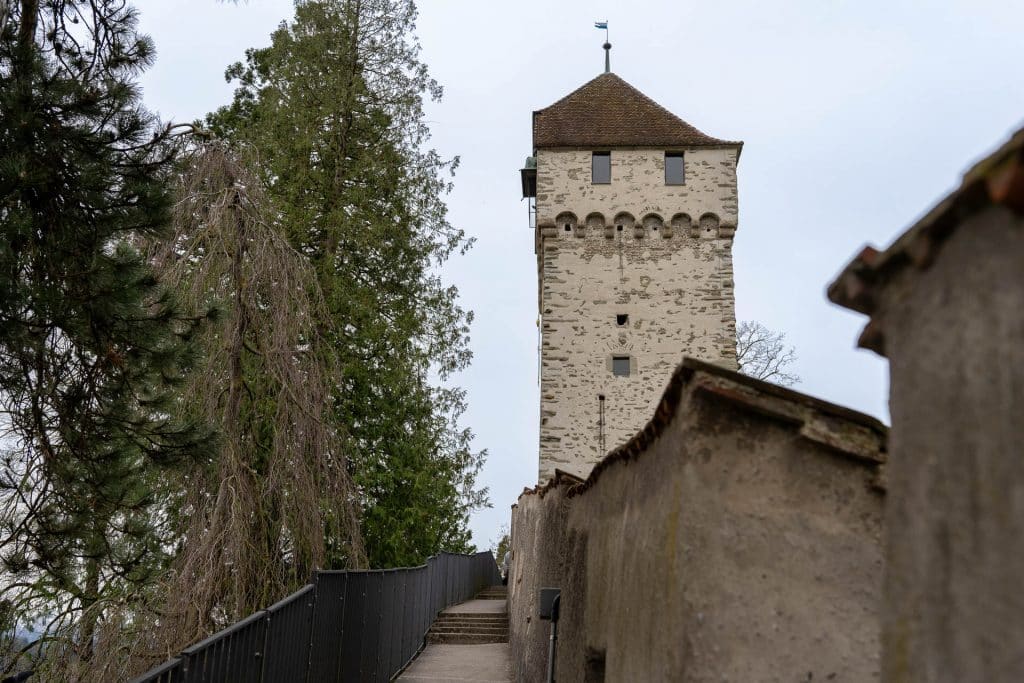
554, 639
548, 609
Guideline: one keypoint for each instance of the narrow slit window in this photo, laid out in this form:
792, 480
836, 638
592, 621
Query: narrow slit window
601, 168
675, 173
620, 366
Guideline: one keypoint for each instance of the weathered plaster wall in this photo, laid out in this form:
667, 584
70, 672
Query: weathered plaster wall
537, 527
954, 335
741, 542
661, 254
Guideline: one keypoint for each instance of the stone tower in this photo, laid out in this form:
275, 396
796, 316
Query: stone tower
635, 213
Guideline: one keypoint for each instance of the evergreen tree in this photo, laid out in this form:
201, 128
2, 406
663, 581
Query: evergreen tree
334, 108
91, 347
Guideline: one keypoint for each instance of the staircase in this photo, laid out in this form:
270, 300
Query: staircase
482, 620
493, 593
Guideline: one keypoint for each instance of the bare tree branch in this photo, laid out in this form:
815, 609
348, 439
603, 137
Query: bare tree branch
763, 354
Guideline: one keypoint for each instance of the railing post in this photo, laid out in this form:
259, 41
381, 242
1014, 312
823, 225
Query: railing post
309, 640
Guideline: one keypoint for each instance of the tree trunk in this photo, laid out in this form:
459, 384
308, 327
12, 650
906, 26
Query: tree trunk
26, 31
232, 416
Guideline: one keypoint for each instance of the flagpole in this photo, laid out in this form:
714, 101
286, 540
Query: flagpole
607, 45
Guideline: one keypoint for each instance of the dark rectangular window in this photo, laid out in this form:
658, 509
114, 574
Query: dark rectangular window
620, 366
601, 168
675, 173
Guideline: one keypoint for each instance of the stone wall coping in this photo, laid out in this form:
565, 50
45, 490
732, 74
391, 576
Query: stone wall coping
998, 180
561, 479
842, 430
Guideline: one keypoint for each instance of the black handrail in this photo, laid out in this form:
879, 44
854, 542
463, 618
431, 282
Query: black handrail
345, 626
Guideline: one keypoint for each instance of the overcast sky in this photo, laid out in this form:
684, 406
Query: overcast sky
857, 116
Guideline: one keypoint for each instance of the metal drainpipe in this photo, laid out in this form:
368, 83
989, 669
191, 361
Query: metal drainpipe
554, 640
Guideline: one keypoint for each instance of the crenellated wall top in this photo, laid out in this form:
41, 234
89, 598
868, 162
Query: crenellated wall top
637, 195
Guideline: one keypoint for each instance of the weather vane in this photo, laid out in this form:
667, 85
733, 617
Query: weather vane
607, 45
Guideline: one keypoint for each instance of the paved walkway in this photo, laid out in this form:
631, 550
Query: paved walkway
490, 662
480, 663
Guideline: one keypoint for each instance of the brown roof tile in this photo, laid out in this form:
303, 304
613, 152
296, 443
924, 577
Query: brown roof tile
608, 112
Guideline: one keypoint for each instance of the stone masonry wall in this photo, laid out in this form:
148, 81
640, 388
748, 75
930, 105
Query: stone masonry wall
740, 541
638, 184
954, 336
659, 254
537, 528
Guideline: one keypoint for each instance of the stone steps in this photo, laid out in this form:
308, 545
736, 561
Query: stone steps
465, 638
461, 637
475, 628
472, 628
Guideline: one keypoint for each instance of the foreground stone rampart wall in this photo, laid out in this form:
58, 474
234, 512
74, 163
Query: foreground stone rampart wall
946, 302
736, 539
944, 612
537, 529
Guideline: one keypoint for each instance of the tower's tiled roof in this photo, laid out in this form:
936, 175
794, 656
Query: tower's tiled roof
608, 112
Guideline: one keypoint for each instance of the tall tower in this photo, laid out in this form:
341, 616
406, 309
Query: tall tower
635, 214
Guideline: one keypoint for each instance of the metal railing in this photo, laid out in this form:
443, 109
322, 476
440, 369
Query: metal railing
345, 626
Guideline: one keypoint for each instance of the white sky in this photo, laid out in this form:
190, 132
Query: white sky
856, 118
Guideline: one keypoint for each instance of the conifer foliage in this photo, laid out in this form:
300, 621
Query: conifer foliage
92, 348
223, 363
334, 107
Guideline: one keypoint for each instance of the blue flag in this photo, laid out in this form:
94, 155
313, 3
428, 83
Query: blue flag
601, 24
